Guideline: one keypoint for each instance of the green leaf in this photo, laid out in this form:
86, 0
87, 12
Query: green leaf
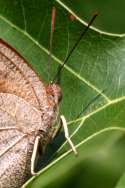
93, 86
121, 182
111, 13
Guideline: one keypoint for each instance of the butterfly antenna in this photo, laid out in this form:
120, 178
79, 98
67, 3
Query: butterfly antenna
57, 78
94, 99
53, 15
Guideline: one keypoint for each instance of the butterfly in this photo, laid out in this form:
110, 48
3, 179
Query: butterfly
27, 116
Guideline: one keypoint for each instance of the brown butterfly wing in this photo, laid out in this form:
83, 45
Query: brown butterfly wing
15, 163
16, 112
17, 77
18, 123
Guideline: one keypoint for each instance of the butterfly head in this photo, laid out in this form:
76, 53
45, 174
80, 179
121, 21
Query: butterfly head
54, 93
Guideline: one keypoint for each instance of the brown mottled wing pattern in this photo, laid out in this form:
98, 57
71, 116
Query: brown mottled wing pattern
17, 77
18, 121
14, 164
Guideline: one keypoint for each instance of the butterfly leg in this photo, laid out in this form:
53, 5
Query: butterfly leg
57, 131
34, 154
66, 132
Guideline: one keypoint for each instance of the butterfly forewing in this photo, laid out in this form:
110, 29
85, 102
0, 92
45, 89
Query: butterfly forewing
17, 77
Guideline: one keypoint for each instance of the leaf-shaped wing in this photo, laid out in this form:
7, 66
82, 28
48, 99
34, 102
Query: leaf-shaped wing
17, 77
16, 112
